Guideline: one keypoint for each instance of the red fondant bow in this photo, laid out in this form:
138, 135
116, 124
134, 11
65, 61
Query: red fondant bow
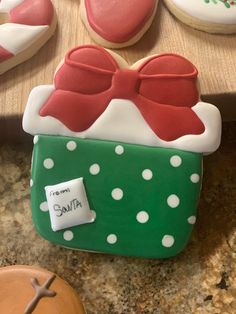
163, 88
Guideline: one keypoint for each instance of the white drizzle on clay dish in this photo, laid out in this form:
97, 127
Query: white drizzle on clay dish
33, 290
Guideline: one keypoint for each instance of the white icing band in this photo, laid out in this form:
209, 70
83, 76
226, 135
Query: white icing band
123, 122
17, 37
7, 5
209, 12
68, 204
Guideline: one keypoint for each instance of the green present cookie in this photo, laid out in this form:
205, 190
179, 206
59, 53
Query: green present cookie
117, 161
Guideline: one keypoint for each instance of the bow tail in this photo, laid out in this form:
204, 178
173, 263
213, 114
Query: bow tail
168, 122
76, 111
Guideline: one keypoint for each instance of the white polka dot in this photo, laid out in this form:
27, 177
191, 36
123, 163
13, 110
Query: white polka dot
147, 174
112, 239
142, 217
119, 150
44, 206
168, 241
68, 235
31, 183
36, 138
94, 169
192, 220
117, 194
71, 145
175, 161
173, 201
48, 163
195, 178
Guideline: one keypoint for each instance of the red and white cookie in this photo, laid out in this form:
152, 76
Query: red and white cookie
117, 23
26, 25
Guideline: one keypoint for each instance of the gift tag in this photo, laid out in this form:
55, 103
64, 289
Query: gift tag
68, 204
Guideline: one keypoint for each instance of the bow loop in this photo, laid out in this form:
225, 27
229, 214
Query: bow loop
87, 70
170, 80
168, 65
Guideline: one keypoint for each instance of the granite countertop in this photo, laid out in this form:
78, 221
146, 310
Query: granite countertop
201, 280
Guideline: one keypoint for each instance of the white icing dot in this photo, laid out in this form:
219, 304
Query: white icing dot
175, 161
119, 150
147, 174
68, 235
195, 178
71, 145
168, 241
112, 239
31, 183
44, 206
36, 138
142, 217
192, 220
173, 201
48, 163
117, 194
94, 169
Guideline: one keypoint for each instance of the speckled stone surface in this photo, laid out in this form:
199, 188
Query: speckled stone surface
200, 280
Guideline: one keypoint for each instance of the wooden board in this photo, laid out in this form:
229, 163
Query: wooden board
214, 55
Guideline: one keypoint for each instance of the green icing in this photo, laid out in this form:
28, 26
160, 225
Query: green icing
228, 3
119, 216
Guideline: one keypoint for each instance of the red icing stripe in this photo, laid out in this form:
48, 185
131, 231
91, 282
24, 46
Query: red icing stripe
5, 54
164, 90
119, 21
33, 12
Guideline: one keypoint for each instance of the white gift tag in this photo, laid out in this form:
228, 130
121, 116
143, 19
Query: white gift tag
68, 204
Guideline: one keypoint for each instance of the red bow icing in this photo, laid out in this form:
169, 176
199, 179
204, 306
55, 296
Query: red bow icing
163, 88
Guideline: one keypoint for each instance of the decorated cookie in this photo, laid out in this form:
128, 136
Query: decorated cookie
117, 23
26, 290
120, 148
213, 16
25, 27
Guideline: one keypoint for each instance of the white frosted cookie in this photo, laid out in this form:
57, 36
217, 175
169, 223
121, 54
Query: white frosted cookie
25, 26
213, 16
119, 23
